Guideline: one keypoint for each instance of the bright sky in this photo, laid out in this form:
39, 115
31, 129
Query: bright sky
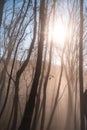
59, 32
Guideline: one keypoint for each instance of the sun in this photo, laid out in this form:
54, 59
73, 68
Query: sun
58, 33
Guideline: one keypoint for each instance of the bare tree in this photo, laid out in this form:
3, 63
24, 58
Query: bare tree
29, 108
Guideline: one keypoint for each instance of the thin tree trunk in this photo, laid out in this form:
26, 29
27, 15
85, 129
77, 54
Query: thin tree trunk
37, 113
2, 3
82, 123
75, 119
44, 89
56, 100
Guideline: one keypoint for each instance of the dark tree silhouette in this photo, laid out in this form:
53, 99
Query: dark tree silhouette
29, 108
22, 68
37, 112
85, 103
85, 107
81, 68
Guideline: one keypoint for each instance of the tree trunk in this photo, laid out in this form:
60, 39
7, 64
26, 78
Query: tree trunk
82, 123
29, 108
2, 3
